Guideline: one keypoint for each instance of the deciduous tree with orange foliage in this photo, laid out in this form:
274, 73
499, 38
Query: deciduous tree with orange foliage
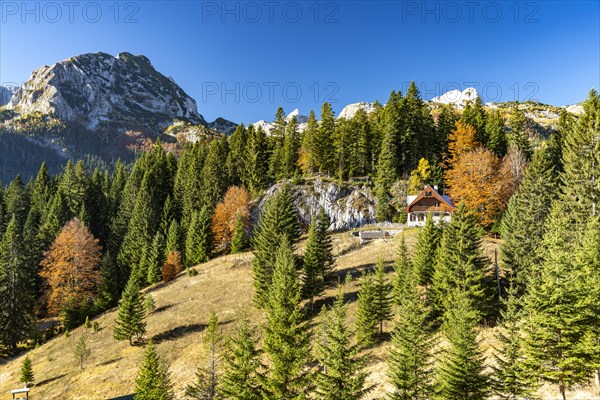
461, 141
71, 267
172, 266
235, 202
483, 181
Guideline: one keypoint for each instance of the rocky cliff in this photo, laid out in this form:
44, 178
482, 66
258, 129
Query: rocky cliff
96, 88
347, 205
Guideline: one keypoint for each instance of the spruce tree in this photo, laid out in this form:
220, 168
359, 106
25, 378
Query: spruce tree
239, 240
325, 252
555, 313
459, 263
461, 370
277, 219
156, 258
256, 169
518, 136
207, 379
426, 251
510, 380
366, 313
474, 115
27, 376
386, 175
198, 243
109, 287
242, 378
341, 374
411, 362
153, 381
286, 336
290, 151
130, 318
326, 132
312, 278
236, 156
383, 298
402, 266
523, 223
214, 181
17, 281
496, 137
16, 199
309, 156
175, 240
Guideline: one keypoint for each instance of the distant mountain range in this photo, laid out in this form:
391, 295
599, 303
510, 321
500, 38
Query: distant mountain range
100, 105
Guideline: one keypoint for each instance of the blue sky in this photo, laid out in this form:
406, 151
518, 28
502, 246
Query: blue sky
241, 60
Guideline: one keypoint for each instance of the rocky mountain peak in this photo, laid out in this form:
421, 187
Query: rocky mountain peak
97, 88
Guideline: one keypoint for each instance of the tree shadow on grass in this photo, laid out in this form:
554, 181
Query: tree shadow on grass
49, 380
163, 308
114, 360
181, 331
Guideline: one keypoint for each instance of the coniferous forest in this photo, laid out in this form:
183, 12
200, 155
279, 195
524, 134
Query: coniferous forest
83, 241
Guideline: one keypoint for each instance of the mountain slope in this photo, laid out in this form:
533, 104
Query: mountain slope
96, 88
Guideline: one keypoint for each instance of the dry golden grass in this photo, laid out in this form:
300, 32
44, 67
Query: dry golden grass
183, 306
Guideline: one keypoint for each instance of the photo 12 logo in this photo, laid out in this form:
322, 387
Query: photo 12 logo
272, 92
487, 91
53, 12
525, 12
251, 12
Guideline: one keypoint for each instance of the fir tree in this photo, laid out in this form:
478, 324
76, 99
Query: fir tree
426, 250
402, 267
496, 137
474, 115
109, 287
410, 362
256, 171
386, 175
153, 381
555, 315
461, 371
239, 241
175, 240
341, 374
236, 156
366, 313
325, 253
214, 181
510, 381
130, 318
308, 158
16, 289
156, 258
291, 148
286, 337
199, 239
277, 219
518, 136
324, 143
383, 299
27, 376
242, 378
81, 351
207, 380
460, 264
312, 277
523, 223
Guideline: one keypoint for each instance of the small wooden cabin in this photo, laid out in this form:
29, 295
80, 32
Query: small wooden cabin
429, 201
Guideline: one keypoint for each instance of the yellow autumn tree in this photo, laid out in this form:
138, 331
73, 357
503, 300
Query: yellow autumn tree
483, 181
235, 202
71, 267
419, 177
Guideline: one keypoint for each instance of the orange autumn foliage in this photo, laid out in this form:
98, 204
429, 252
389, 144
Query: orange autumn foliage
236, 201
461, 141
71, 267
172, 266
483, 181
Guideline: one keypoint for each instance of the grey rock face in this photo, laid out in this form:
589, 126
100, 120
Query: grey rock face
94, 88
347, 206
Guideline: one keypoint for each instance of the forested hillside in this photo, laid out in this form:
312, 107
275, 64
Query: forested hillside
84, 241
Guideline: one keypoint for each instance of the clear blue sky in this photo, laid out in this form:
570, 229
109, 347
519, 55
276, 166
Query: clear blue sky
241, 60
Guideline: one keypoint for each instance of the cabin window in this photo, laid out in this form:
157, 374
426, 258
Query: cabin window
436, 215
413, 217
421, 217
428, 194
